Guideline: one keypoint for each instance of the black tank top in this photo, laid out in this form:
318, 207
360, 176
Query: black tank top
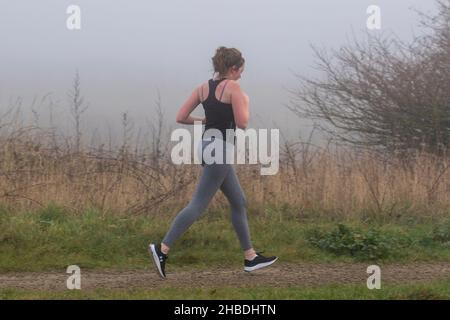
219, 115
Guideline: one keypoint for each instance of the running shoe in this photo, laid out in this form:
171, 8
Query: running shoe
159, 258
258, 262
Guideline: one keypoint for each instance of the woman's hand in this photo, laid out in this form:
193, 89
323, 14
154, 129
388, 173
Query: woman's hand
183, 115
203, 120
191, 120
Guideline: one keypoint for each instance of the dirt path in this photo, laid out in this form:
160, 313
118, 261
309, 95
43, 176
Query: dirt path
281, 275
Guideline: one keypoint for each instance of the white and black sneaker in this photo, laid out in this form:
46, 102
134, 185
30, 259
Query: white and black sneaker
159, 258
258, 262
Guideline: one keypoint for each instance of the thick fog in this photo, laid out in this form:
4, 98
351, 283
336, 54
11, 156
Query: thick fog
128, 51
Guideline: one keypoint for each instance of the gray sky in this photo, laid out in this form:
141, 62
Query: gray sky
127, 50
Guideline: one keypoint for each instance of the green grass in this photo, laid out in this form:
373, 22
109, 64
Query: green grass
435, 290
52, 239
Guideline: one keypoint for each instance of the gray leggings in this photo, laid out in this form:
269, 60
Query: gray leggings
213, 177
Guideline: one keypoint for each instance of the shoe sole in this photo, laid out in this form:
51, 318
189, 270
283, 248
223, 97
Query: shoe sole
155, 259
260, 265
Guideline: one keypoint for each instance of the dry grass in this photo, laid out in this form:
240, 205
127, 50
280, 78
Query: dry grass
37, 167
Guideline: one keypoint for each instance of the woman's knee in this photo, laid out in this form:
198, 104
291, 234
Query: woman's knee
240, 202
189, 213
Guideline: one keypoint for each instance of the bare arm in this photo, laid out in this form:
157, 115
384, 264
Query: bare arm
183, 115
240, 103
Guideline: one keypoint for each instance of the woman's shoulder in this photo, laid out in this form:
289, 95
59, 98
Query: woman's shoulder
233, 85
203, 85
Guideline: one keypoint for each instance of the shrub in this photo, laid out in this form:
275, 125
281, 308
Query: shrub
441, 233
368, 245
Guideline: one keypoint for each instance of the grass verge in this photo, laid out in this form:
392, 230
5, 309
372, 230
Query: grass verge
50, 239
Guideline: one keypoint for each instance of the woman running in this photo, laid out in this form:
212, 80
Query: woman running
226, 107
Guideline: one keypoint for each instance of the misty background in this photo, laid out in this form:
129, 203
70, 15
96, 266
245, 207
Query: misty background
126, 52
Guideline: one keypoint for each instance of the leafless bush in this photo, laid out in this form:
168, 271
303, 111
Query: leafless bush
384, 94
